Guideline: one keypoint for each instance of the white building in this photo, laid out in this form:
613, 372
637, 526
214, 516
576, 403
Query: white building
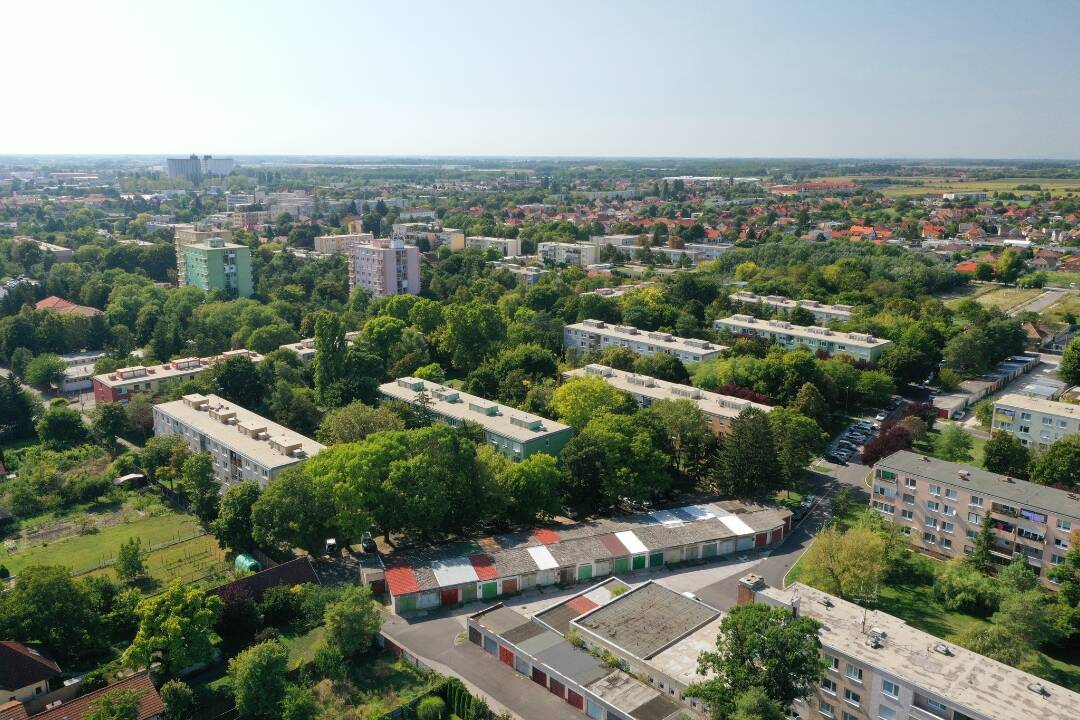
822, 312
243, 445
858, 345
1035, 421
507, 247
563, 253
338, 244
595, 335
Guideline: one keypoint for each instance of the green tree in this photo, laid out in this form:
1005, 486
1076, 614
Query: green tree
1009, 266
294, 511
764, 647
797, 439
1069, 369
995, 642
1059, 464
45, 370
61, 427
980, 558
109, 421
355, 421
431, 708
811, 403
257, 676
755, 704
115, 705
299, 704
238, 380
47, 605
953, 444
178, 625
662, 367
984, 413
200, 486
1005, 454
233, 525
353, 621
328, 365
748, 466
1026, 615
959, 586
534, 488
470, 331
581, 398
179, 700
129, 560
849, 564
692, 439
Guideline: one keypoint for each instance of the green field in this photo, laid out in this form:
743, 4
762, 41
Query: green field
1005, 298
938, 185
967, 292
926, 446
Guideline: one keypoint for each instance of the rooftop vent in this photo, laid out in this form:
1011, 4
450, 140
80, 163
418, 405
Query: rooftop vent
826, 602
1038, 687
963, 474
943, 649
1008, 479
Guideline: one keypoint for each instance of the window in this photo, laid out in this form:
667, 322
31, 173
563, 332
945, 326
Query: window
907, 514
935, 490
909, 499
950, 493
852, 698
946, 543
949, 510
886, 713
828, 686
890, 688
947, 527
1065, 525
936, 706
931, 522
928, 538
974, 518
975, 501
1025, 428
825, 709
1025, 416
832, 663
1057, 559
909, 482
1063, 423
1058, 542
854, 673
849, 716
1047, 421
970, 534
932, 505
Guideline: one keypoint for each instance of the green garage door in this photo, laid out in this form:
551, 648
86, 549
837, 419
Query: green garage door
468, 593
489, 590
584, 572
622, 564
708, 551
639, 562
406, 603
656, 559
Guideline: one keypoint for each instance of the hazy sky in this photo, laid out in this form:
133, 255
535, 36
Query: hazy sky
943, 78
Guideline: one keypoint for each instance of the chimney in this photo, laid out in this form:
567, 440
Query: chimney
749, 586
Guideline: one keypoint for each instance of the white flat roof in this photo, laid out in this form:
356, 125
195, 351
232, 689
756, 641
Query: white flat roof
629, 333
804, 331
1049, 407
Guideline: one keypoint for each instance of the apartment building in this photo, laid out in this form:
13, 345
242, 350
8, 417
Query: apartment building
427, 235
59, 253
305, 348
564, 253
525, 274
512, 432
120, 385
708, 251
719, 410
244, 446
614, 292
1035, 421
193, 167
506, 247
216, 264
186, 234
822, 312
247, 219
384, 266
596, 335
618, 241
339, 244
941, 505
860, 346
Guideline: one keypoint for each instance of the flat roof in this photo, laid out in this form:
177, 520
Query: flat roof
1041, 497
171, 369
804, 331
964, 680
629, 333
710, 403
246, 432
1048, 407
646, 620
789, 304
680, 661
500, 419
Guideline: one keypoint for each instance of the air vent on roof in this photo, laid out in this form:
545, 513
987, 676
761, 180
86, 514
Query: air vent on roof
1038, 687
826, 602
963, 474
1008, 479
943, 649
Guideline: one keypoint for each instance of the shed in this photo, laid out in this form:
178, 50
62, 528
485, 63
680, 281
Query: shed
246, 562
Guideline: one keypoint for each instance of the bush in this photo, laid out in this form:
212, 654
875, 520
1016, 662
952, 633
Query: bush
281, 605
963, 588
431, 708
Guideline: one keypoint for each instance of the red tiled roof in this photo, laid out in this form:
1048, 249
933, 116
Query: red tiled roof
545, 536
12, 710
54, 303
484, 567
581, 604
401, 581
150, 704
613, 545
22, 665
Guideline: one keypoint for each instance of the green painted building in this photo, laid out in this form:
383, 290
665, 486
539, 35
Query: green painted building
215, 264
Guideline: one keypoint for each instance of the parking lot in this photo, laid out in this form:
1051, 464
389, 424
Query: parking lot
847, 446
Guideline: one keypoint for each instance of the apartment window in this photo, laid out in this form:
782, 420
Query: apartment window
968, 549
933, 505
936, 706
935, 490
948, 510
975, 501
946, 543
1063, 423
909, 499
950, 493
909, 482
1064, 544
854, 673
974, 518
907, 514
1057, 559
1065, 525
832, 663
931, 522
828, 686
928, 538
1025, 428
947, 527
886, 713
890, 688
852, 697
825, 709
970, 534
1047, 421
849, 716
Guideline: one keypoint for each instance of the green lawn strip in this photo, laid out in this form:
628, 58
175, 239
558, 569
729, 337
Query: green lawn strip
82, 552
926, 447
302, 646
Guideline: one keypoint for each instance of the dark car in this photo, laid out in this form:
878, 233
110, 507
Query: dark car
367, 542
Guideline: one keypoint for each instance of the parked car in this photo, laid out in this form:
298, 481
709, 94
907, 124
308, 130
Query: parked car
959, 414
881, 416
367, 542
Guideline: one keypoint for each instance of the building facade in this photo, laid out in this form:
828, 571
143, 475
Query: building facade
719, 410
1035, 422
193, 167
818, 339
506, 247
940, 506
384, 266
186, 234
595, 335
244, 446
215, 264
564, 253
339, 244
120, 385
512, 432
822, 312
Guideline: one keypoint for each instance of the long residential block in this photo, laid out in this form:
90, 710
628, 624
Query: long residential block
822, 312
1035, 421
719, 410
940, 506
243, 445
120, 385
858, 345
596, 335
514, 433
339, 244
566, 253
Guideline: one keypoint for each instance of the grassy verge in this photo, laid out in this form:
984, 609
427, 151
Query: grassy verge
926, 447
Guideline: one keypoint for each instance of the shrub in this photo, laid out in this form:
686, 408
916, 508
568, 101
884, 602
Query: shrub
281, 605
960, 587
431, 708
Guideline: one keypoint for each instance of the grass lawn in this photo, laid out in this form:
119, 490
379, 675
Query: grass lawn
82, 552
1068, 305
1062, 279
926, 446
302, 647
967, 292
1004, 298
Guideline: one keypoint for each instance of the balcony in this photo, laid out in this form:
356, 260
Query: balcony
1004, 510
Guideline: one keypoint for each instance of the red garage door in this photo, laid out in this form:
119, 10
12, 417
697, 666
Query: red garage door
509, 585
556, 688
761, 539
574, 699
449, 597
506, 656
777, 536
539, 677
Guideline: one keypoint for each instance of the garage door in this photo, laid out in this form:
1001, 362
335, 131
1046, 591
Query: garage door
556, 688
449, 597
760, 539
622, 565
406, 604
468, 593
575, 699
594, 710
708, 550
584, 572
640, 561
506, 656
656, 559
777, 536
489, 590
539, 677
474, 636
510, 585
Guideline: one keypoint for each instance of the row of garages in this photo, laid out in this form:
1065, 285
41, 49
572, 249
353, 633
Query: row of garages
581, 553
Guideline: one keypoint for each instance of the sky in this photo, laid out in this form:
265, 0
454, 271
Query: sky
874, 78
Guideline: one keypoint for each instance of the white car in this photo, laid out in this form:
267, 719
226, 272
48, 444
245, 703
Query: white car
880, 417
